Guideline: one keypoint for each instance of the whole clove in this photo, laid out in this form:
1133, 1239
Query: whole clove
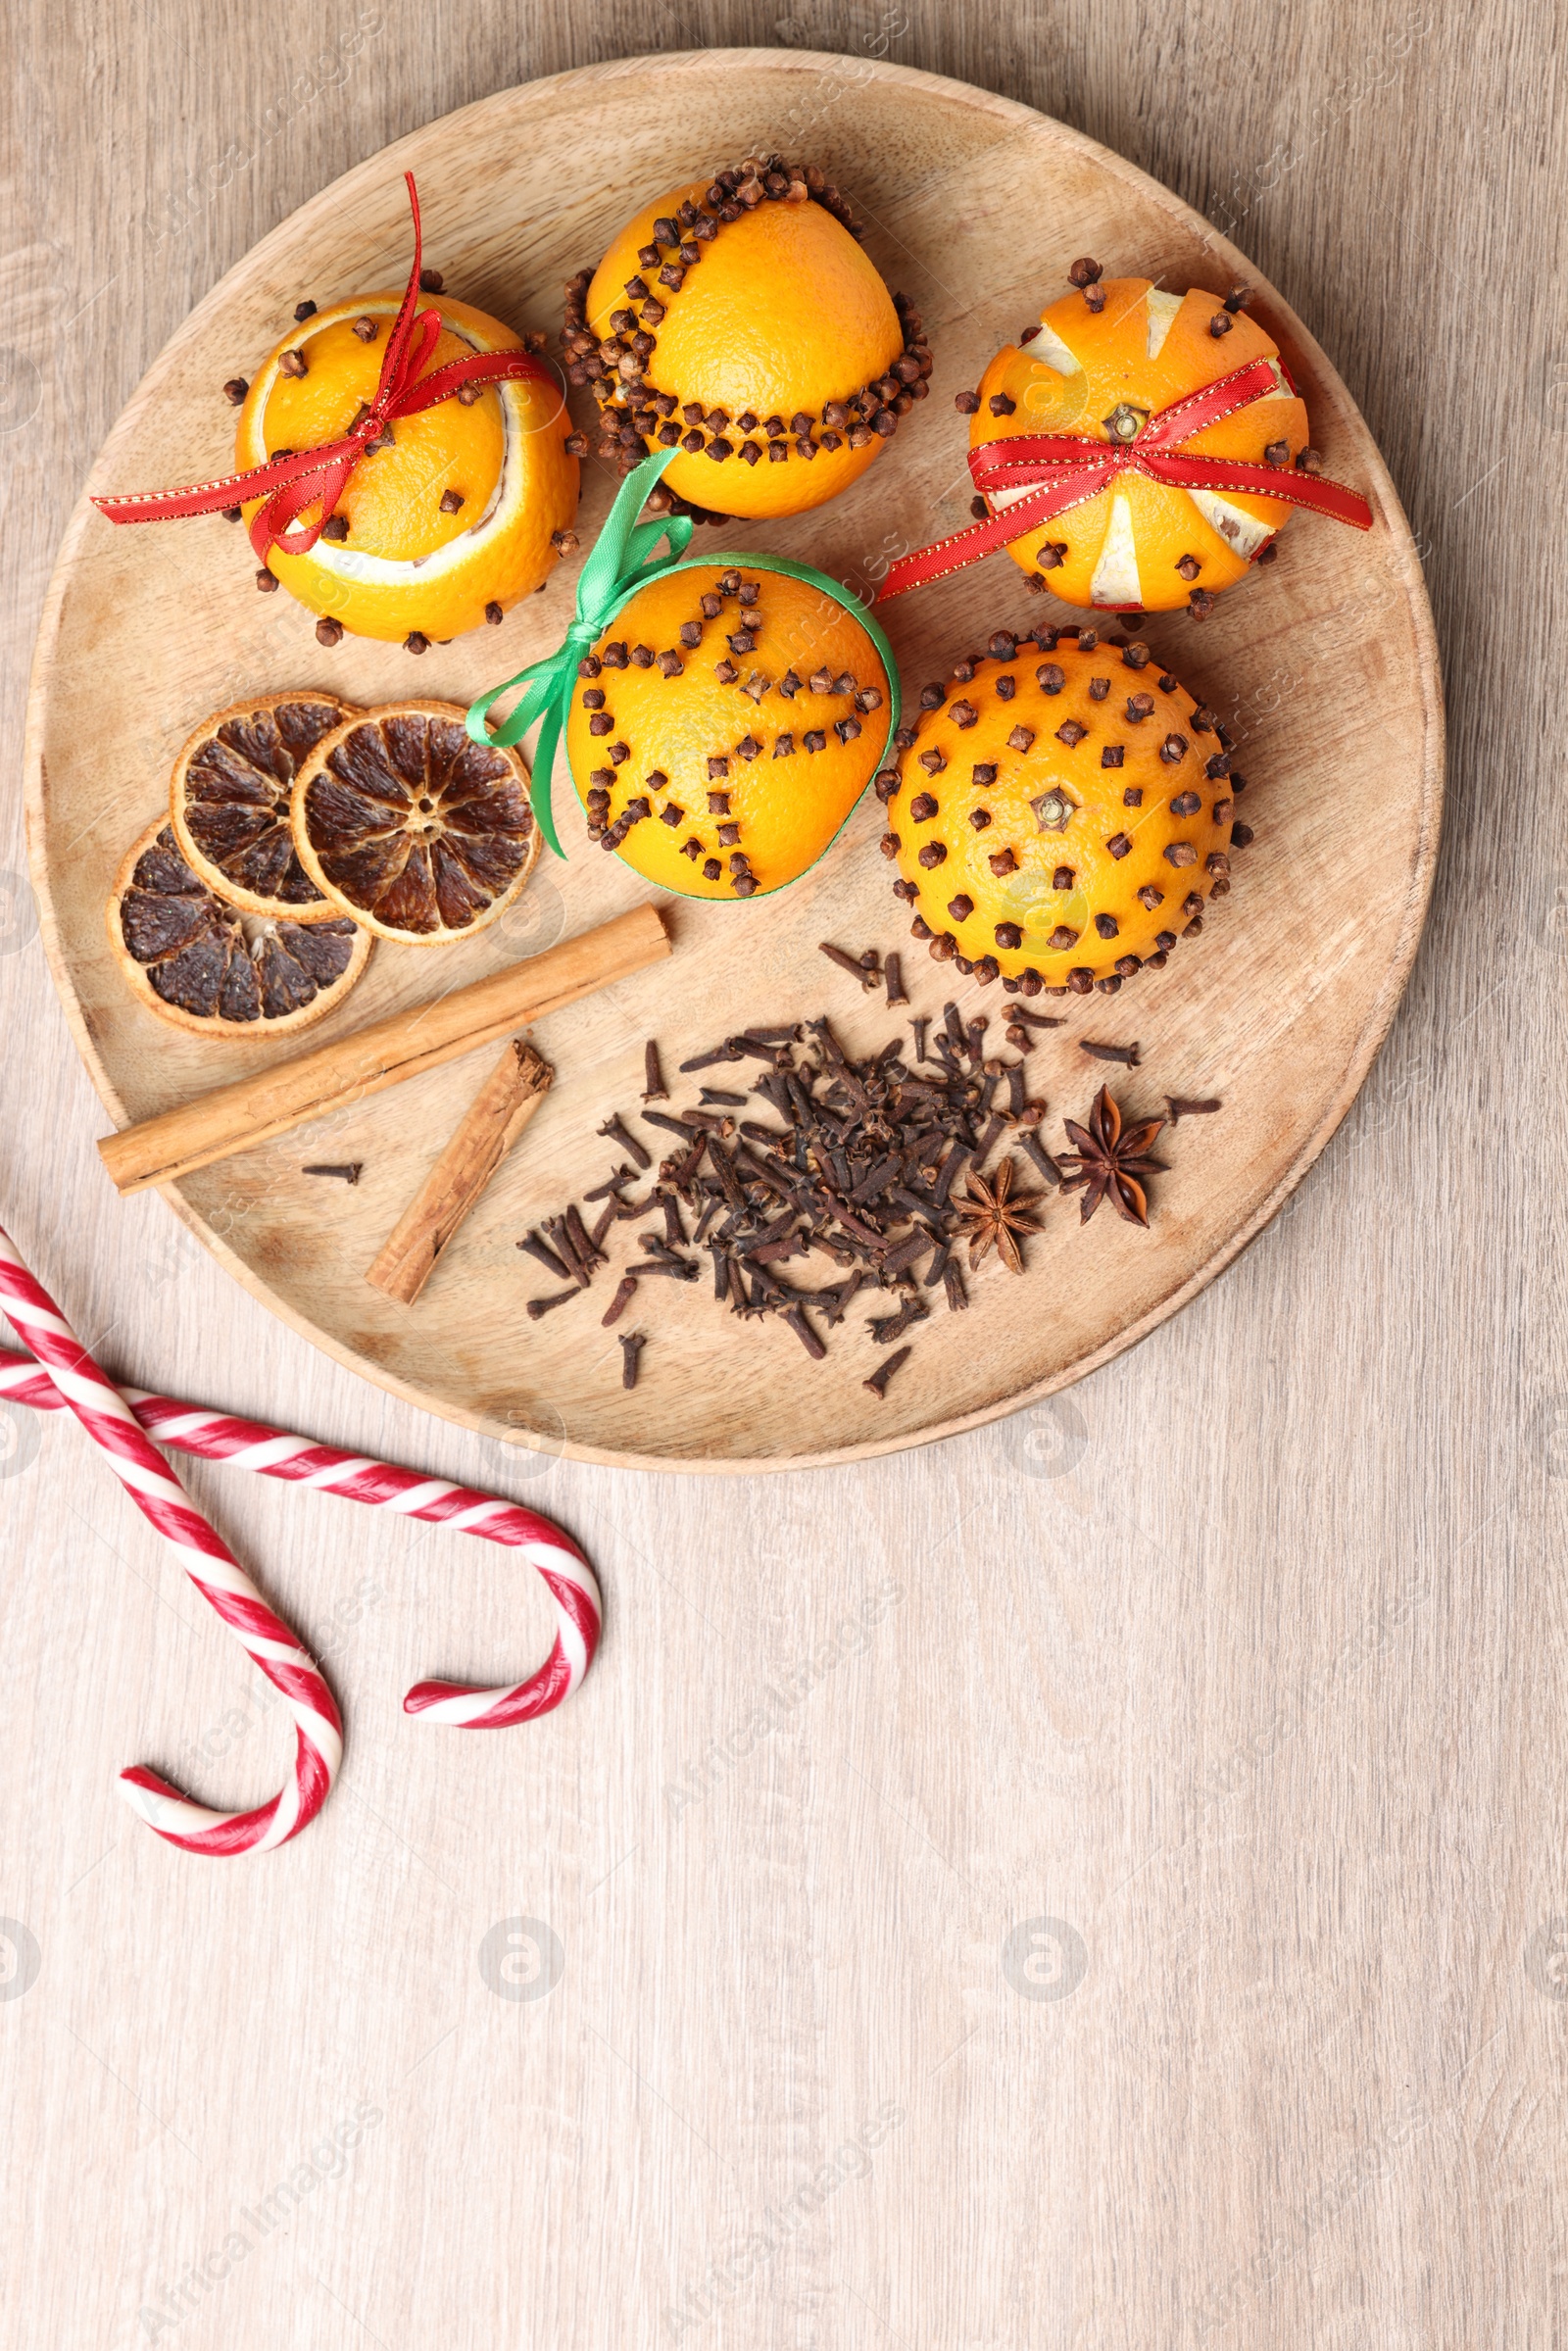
950, 1168
621, 1299
898, 1260
347, 1171
857, 967
546, 1305
878, 1382
610, 1185
543, 1254
616, 1131
814, 1347
588, 1250
841, 1296
1039, 1158
604, 1223
1179, 1107
885, 1328
563, 1242
893, 979
1126, 1054
716, 1202
989, 1140
653, 1088
632, 1344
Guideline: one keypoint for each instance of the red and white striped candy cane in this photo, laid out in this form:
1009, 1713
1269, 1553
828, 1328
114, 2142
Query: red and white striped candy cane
217, 1575
278, 1454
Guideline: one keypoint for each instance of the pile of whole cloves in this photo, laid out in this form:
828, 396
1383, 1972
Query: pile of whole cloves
865, 1164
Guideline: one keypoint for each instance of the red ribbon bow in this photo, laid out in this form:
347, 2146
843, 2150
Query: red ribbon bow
1062, 470
317, 476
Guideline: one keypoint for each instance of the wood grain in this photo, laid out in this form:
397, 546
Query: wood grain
1277, 1016
1245, 1659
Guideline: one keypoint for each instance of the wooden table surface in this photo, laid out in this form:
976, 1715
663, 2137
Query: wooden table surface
1097, 1882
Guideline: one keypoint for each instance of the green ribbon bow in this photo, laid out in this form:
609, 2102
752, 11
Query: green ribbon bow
623, 563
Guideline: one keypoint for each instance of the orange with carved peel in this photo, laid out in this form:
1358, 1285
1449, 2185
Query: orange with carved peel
724, 726
448, 528
1065, 814
739, 320
1103, 360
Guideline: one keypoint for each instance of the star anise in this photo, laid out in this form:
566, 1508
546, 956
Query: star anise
1110, 1159
992, 1215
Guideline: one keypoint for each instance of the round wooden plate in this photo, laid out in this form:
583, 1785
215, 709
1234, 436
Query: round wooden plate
1323, 665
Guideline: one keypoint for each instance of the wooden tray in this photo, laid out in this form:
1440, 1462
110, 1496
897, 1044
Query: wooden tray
1323, 665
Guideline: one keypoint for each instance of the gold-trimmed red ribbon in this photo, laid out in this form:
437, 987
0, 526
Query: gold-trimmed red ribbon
317, 476
1063, 469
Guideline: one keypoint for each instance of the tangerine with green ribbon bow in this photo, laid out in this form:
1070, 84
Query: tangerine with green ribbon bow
623, 560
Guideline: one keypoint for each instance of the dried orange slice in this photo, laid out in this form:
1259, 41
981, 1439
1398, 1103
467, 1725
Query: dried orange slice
206, 965
229, 800
411, 828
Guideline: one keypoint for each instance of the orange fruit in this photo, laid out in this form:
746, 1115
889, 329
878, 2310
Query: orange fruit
210, 968
1139, 545
739, 320
229, 800
724, 726
417, 832
404, 566
1064, 816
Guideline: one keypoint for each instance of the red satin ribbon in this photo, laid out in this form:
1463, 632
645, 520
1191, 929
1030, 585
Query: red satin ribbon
317, 476
1062, 470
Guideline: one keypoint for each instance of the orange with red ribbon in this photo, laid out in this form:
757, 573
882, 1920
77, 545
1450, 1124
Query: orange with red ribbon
1058, 470
317, 477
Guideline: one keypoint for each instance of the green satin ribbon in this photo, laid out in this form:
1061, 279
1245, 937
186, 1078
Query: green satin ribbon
623, 563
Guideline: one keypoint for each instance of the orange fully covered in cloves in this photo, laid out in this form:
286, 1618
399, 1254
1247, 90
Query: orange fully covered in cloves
1061, 813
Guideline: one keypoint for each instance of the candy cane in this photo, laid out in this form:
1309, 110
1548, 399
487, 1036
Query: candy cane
278, 1454
217, 1575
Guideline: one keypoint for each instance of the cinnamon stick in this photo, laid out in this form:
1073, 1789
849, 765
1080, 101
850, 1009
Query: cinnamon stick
490, 1126
233, 1118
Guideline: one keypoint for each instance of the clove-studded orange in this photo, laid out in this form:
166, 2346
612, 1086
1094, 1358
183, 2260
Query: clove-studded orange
1062, 813
739, 320
462, 511
724, 726
1103, 360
